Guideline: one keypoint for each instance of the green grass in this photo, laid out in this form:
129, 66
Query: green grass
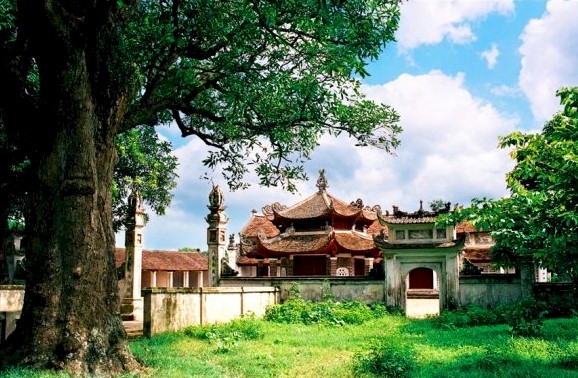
297, 350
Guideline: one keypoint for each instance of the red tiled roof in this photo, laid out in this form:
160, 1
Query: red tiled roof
314, 206
259, 224
168, 260
244, 260
297, 243
321, 204
355, 242
376, 228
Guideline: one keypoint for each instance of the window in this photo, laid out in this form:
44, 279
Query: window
342, 272
400, 234
441, 233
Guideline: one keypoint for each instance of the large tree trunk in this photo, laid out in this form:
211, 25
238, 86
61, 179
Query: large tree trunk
71, 318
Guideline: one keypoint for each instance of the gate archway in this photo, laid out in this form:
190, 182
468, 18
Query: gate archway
422, 296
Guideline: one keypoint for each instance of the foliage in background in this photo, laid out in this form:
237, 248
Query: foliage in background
329, 312
145, 164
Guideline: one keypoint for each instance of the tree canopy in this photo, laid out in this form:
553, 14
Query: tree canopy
538, 221
261, 81
146, 165
258, 81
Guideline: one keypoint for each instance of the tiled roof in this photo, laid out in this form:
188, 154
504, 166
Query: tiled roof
354, 242
376, 228
259, 224
297, 243
314, 206
244, 260
168, 260
321, 204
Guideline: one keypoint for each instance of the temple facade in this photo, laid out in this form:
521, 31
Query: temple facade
319, 236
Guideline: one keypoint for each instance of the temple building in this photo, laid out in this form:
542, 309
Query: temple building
319, 236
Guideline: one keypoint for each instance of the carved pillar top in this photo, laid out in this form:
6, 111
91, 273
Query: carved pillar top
135, 201
322, 181
216, 198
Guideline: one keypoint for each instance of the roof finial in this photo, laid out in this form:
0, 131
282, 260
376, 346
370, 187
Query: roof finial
322, 181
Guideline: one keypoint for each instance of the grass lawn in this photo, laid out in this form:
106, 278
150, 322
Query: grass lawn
329, 351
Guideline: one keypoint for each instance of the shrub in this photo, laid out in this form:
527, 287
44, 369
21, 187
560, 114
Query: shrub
450, 320
326, 312
386, 359
467, 316
526, 317
245, 328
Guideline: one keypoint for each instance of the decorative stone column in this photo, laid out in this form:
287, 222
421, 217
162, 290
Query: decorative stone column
216, 234
132, 301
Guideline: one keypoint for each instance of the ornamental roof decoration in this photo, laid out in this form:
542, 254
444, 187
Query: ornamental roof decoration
322, 183
419, 216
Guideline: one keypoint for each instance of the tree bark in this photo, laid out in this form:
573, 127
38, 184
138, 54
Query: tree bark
71, 319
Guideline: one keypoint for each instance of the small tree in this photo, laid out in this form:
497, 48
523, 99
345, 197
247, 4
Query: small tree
539, 220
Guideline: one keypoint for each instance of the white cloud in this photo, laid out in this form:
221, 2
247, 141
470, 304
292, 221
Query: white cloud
491, 56
429, 22
549, 56
505, 90
449, 145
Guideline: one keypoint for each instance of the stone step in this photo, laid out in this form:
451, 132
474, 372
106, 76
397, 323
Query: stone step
133, 329
134, 334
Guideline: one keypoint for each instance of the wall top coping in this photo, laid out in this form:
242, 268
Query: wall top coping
298, 279
208, 290
12, 287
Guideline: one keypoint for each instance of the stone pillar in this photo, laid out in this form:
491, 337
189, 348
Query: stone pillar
527, 278
132, 302
186, 279
393, 284
332, 266
368, 265
452, 274
216, 234
273, 268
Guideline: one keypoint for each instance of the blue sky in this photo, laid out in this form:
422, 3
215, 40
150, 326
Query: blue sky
462, 73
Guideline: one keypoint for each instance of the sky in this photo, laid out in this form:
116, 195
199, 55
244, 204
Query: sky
460, 74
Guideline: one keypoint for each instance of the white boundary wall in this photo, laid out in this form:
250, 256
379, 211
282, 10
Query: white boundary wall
174, 309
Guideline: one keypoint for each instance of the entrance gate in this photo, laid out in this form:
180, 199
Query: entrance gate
422, 297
